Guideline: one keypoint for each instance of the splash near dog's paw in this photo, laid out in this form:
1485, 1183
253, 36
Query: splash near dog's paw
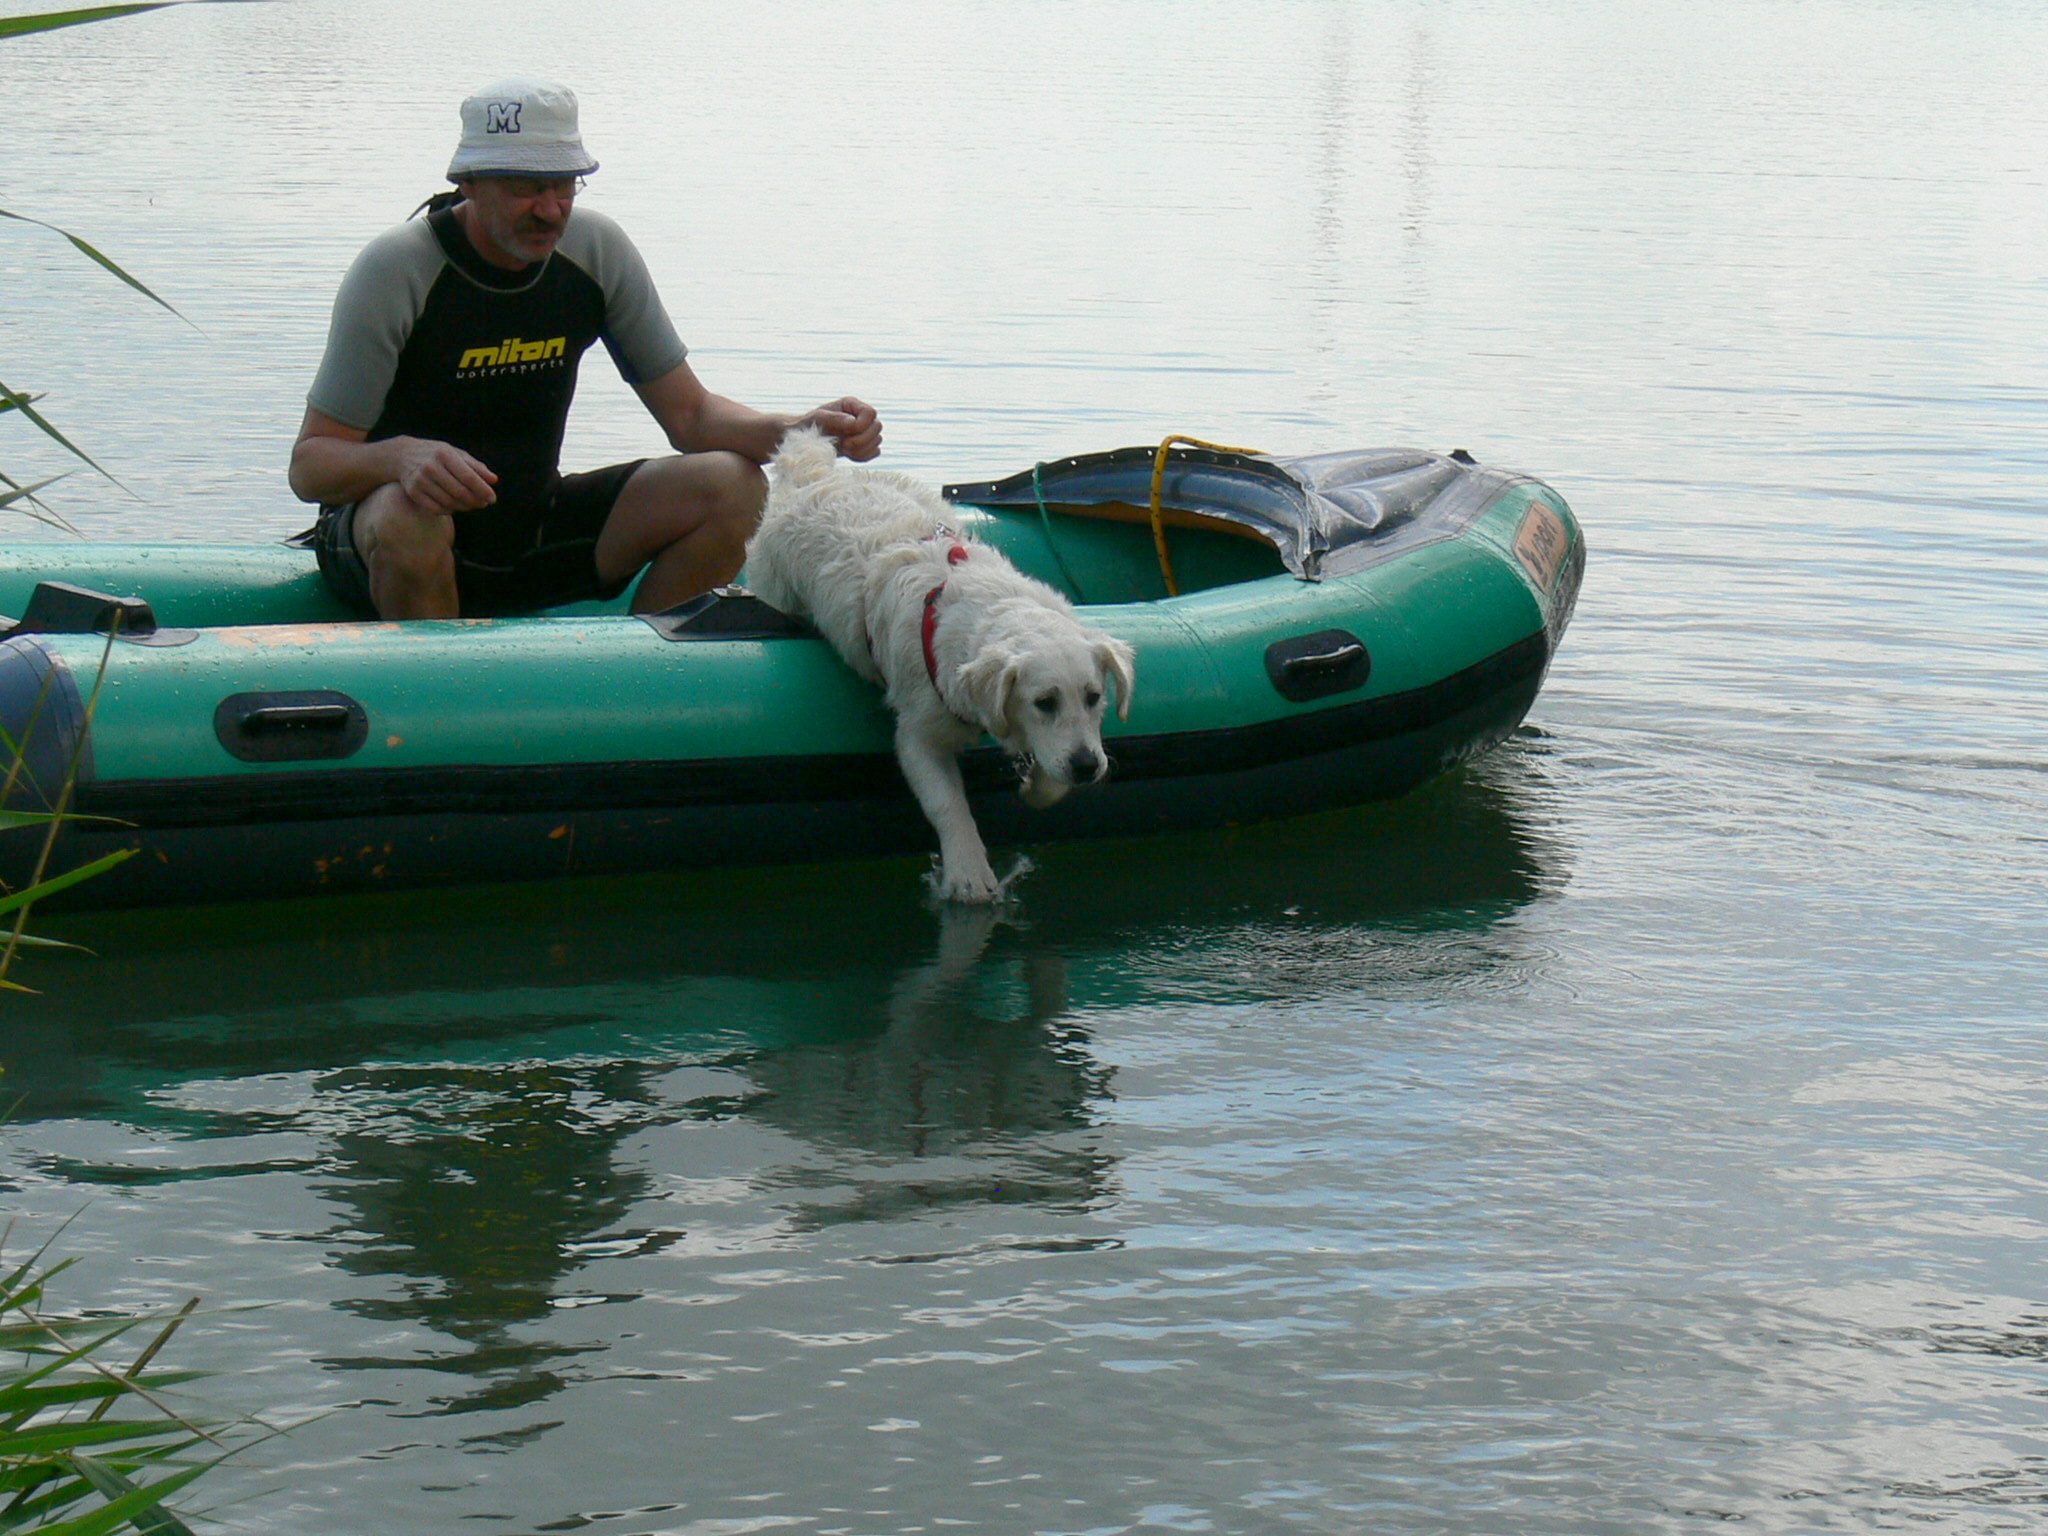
999, 893
1018, 871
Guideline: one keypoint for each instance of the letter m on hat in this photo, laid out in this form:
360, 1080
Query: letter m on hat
502, 117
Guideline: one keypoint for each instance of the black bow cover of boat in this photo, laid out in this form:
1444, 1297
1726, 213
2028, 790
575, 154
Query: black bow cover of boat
1326, 513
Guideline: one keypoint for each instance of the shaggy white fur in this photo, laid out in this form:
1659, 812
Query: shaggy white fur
857, 552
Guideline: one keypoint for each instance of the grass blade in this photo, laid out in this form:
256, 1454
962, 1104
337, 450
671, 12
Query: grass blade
9, 819
152, 1520
50, 21
26, 492
51, 1439
86, 248
23, 1287
122, 1511
30, 941
20, 403
36, 510
149, 1353
70, 877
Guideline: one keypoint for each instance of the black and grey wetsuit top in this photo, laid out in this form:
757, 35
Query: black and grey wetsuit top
430, 340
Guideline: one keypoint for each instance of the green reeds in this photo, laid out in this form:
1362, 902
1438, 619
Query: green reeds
12, 492
87, 1446
15, 905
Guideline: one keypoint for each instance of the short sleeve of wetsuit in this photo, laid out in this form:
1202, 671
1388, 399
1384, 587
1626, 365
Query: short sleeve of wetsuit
637, 330
381, 297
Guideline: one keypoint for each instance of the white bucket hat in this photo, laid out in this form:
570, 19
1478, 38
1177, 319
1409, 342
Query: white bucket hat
520, 127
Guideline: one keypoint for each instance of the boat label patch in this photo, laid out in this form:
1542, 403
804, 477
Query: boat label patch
1541, 542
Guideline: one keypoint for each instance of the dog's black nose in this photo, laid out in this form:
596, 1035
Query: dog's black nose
1084, 767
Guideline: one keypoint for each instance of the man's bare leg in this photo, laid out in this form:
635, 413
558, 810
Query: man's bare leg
410, 552
687, 519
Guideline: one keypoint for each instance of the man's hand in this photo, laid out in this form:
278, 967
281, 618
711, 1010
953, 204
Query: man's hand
698, 421
333, 463
443, 477
853, 422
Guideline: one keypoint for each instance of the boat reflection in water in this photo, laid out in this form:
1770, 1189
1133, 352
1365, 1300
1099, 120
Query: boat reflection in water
490, 1088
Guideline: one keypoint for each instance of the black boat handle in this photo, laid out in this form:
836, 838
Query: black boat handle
286, 717
290, 725
1315, 666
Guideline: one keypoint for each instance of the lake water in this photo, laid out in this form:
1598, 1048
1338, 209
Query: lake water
1640, 1131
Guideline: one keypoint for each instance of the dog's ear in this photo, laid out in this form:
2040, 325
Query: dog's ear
1119, 665
987, 681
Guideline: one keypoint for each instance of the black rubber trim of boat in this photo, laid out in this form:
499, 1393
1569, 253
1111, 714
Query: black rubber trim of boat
489, 789
726, 613
61, 608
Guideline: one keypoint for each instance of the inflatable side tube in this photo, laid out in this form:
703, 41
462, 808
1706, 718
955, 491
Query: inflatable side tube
43, 716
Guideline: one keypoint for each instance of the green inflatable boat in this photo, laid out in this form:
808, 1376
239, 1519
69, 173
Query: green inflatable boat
1310, 632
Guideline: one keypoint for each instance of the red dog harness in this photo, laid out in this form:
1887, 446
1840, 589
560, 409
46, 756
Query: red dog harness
954, 556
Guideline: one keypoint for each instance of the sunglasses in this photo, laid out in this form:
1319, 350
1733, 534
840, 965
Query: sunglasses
527, 189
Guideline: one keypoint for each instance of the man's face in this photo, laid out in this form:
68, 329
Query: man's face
517, 220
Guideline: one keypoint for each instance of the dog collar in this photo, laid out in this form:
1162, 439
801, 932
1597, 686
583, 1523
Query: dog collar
931, 608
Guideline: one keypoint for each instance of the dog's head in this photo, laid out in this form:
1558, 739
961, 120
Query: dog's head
1041, 686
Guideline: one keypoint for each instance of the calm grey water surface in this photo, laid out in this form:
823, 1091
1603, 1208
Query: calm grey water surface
1639, 1132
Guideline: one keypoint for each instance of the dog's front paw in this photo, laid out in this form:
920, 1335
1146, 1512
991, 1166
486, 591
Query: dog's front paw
961, 880
1041, 790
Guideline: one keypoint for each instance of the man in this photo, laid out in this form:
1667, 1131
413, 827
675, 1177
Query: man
434, 427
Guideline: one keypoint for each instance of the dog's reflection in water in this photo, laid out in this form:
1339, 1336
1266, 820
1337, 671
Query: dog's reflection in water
930, 999
973, 1090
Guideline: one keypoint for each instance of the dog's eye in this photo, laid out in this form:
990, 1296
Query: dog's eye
1048, 704
1092, 697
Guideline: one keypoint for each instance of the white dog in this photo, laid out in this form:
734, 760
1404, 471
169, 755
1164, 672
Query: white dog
961, 640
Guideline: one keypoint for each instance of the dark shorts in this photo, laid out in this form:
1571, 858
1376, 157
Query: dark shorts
507, 559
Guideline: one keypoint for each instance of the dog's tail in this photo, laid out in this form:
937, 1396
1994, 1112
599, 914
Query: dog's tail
805, 457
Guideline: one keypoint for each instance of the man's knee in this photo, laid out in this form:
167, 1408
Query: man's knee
731, 492
394, 532
740, 490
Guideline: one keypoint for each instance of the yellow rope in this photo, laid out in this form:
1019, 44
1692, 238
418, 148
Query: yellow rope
1158, 521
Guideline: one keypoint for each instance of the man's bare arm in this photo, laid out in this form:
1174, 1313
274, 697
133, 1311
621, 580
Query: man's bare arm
332, 463
698, 421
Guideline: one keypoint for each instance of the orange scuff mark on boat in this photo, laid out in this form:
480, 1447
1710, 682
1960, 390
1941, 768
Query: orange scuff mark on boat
561, 831
394, 741
274, 635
